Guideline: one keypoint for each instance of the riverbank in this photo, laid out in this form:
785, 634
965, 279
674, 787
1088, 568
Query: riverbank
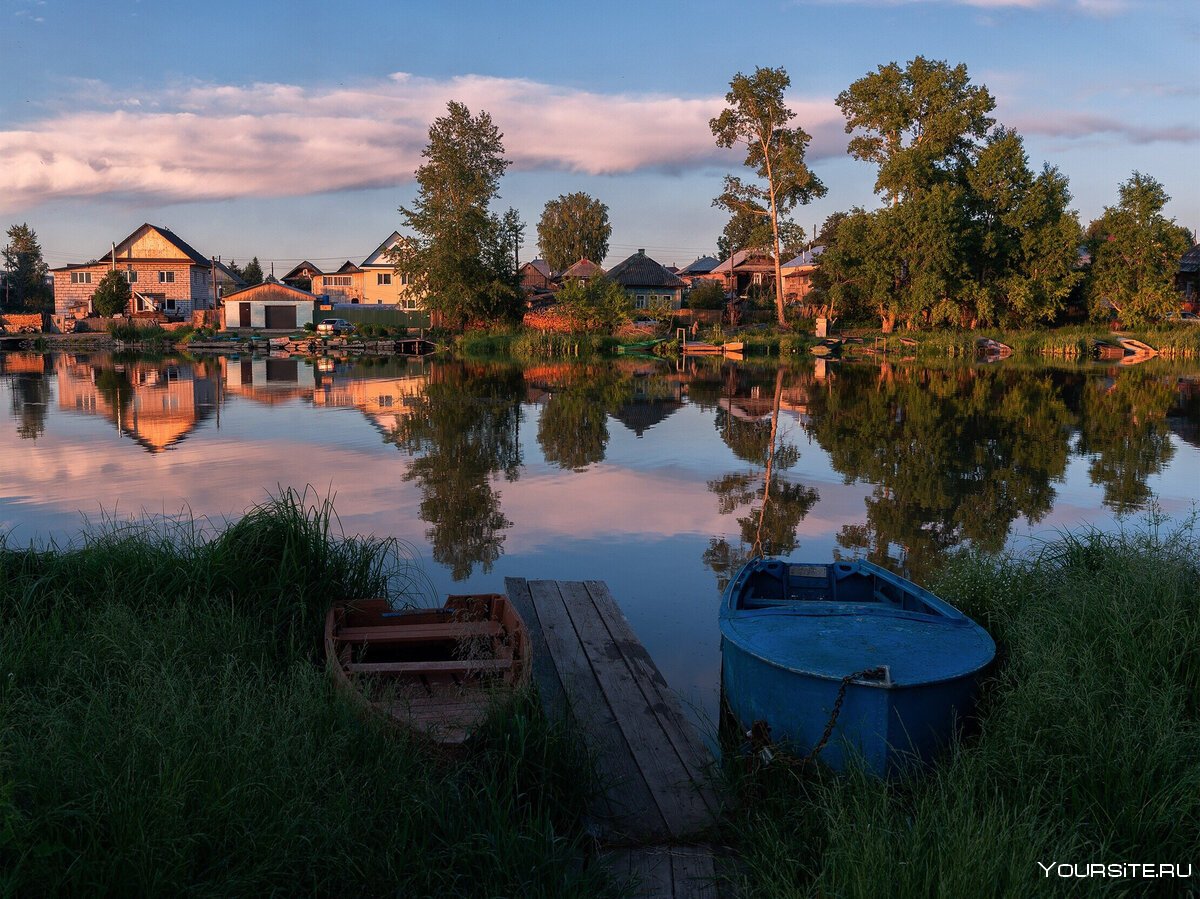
167, 726
1087, 750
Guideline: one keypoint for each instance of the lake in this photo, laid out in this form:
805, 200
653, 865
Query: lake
648, 474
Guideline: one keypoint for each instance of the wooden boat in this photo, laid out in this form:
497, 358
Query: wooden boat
1136, 347
795, 637
992, 349
640, 348
437, 671
1106, 351
734, 346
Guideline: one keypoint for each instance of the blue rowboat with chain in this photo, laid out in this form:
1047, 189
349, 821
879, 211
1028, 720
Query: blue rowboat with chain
847, 660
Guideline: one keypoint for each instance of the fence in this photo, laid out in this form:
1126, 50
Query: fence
359, 314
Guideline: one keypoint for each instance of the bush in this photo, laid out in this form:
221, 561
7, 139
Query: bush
112, 295
708, 295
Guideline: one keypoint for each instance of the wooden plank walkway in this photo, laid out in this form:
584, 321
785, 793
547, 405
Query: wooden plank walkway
656, 771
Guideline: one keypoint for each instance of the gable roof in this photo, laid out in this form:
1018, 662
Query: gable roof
639, 270
273, 291
702, 266
1190, 261
541, 267
808, 258
376, 258
298, 271
168, 235
583, 269
347, 268
743, 257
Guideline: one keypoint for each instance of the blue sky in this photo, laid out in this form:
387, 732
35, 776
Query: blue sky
291, 131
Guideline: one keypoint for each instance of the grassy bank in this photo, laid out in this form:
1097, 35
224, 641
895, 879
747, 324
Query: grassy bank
167, 727
1088, 750
1069, 342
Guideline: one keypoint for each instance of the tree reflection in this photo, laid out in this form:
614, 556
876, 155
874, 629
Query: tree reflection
30, 392
774, 506
463, 431
573, 426
953, 454
1123, 426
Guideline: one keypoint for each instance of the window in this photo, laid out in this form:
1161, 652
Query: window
383, 278
131, 276
337, 281
81, 277
410, 304
170, 304
404, 280
166, 277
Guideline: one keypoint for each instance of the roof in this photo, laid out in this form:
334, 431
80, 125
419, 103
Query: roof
702, 266
740, 258
583, 269
170, 236
347, 268
1190, 262
807, 258
639, 270
391, 240
274, 292
298, 271
540, 266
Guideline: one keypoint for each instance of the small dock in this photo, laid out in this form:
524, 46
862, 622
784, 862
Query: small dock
658, 808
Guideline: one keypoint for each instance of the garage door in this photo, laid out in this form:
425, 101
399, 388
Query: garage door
280, 317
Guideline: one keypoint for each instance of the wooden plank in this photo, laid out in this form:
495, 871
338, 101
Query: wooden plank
545, 674
645, 871
414, 633
662, 700
694, 872
628, 810
453, 666
671, 783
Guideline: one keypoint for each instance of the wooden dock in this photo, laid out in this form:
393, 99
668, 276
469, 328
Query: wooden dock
658, 807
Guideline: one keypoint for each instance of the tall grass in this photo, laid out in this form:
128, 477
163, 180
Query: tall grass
1067, 342
1088, 748
167, 727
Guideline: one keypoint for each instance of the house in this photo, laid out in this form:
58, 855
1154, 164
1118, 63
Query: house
1187, 279
646, 281
301, 276
536, 277
272, 306
745, 270
798, 274
583, 270
165, 274
702, 266
373, 282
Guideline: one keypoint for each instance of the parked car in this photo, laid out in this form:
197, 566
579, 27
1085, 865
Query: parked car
335, 326
1189, 318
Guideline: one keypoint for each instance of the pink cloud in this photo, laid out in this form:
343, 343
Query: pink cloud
1081, 126
202, 142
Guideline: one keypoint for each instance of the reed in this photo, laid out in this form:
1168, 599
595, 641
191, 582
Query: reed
167, 727
1087, 749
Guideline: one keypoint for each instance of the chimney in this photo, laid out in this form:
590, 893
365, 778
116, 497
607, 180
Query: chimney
641, 252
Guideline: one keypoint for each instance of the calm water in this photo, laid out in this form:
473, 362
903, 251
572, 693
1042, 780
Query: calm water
640, 473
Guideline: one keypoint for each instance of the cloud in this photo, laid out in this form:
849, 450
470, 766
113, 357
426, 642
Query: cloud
1082, 126
212, 141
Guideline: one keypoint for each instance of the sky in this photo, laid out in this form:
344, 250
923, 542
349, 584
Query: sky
291, 131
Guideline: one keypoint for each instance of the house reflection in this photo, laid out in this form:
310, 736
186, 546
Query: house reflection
156, 403
384, 393
268, 380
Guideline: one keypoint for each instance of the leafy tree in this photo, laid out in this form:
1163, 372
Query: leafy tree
252, 274
27, 270
750, 228
827, 235
707, 295
573, 227
30, 400
597, 304
511, 225
112, 294
461, 258
920, 124
758, 117
1135, 254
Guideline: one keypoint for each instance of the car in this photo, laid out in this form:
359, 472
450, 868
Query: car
1189, 318
335, 326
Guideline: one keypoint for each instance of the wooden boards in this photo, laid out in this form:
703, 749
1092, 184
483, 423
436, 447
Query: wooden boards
664, 872
588, 660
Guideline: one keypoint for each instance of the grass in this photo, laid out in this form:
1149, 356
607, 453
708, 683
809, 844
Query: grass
1088, 747
1067, 342
132, 332
167, 727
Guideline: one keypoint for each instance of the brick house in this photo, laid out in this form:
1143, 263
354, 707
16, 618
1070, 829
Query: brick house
373, 282
165, 274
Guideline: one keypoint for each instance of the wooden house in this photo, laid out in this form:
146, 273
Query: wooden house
646, 281
798, 275
536, 277
583, 270
699, 269
1187, 279
746, 270
271, 306
373, 282
301, 276
165, 274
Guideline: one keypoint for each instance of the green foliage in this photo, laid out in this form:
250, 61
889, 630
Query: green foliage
573, 227
461, 259
1135, 255
758, 117
252, 274
169, 728
131, 332
749, 227
595, 305
26, 272
1087, 748
112, 294
707, 295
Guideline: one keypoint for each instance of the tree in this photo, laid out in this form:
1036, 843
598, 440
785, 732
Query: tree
707, 295
919, 124
112, 294
512, 225
26, 281
597, 304
749, 228
252, 274
758, 117
573, 227
461, 258
1135, 254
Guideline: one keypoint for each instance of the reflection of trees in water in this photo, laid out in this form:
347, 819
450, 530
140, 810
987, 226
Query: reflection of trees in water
30, 394
1123, 426
774, 506
954, 454
464, 430
573, 425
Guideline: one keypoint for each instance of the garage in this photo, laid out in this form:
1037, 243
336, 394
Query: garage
270, 306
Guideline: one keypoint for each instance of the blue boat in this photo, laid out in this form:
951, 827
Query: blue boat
795, 637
